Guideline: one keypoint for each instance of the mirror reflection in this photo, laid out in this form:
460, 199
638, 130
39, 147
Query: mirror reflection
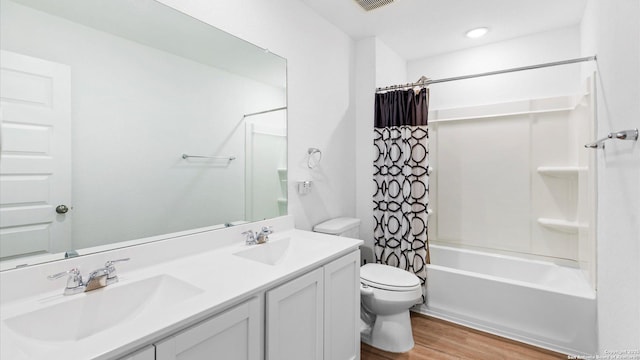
125, 120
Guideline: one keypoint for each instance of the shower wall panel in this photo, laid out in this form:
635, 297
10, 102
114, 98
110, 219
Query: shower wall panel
513, 178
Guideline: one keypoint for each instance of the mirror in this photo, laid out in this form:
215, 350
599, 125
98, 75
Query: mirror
126, 121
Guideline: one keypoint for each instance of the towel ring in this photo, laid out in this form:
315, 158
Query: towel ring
315, 155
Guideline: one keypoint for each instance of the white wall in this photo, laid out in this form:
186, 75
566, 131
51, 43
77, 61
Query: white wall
320, 114
612, 30
391, 69
376, 65
560, 44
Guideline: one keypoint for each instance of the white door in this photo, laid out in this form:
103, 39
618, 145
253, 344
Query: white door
294, 319
233, 335
342, 308
35, 157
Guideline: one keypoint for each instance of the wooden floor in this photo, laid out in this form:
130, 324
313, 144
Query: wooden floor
437, 339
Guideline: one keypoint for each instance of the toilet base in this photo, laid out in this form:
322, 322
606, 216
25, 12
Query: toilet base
391, 333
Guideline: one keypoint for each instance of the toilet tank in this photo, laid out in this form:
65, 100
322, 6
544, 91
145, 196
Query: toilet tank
342, 226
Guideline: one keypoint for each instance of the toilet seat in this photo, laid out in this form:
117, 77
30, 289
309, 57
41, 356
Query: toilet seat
388, 278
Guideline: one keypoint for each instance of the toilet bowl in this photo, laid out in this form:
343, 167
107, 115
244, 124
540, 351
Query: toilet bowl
386, 294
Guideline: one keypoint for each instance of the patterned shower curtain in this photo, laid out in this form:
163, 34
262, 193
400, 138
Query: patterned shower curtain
401, 145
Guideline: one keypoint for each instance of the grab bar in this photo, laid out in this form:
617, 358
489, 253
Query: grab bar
185, 156
620, 135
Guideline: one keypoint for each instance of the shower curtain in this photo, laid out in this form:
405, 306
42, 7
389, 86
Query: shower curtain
401, 180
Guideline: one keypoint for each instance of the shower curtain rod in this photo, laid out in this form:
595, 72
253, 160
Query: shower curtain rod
426, 82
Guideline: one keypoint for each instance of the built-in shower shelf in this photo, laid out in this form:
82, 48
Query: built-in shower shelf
570, 227
561, 171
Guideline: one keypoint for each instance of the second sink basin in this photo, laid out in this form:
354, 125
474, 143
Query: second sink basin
270, 253
89, 313
277, 251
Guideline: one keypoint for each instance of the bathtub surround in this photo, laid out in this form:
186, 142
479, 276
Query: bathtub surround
401, 145
515, 177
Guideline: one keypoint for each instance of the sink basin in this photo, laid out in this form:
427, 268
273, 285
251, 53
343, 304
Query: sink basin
270, 253
89, 313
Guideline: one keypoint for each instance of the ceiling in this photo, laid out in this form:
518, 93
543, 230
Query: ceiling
422, 28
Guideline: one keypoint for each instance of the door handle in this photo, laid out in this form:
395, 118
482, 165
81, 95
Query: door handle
62, 209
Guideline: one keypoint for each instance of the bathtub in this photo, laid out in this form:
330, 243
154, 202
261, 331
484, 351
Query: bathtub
531, 301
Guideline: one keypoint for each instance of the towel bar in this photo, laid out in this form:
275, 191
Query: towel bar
620, 135
185, 156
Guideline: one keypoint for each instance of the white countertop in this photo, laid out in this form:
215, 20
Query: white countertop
225, 280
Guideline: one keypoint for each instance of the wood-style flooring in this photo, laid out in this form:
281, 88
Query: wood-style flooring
441, 340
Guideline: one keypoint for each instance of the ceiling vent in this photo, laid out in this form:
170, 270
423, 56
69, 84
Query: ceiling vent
369, 5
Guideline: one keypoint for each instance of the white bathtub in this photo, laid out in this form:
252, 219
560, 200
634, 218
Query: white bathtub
535, 302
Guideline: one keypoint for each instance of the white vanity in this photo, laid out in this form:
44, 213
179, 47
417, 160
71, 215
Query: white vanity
202, 296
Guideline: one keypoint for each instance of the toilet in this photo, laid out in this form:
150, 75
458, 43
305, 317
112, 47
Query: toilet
386, 294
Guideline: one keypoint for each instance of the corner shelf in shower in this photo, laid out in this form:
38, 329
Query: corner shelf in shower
570, 227
560, 171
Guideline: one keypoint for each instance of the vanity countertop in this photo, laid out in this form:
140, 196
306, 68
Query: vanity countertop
221, 278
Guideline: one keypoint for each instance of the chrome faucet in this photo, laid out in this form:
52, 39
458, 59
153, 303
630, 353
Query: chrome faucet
97, 279
254, 238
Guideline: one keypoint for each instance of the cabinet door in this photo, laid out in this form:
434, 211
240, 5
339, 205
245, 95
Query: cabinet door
342, 308
294, 319
148, 353
231, 335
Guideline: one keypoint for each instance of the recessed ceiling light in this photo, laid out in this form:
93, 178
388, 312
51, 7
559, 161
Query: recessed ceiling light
476, 33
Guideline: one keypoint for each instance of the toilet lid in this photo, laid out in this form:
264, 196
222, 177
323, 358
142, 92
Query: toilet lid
387, 277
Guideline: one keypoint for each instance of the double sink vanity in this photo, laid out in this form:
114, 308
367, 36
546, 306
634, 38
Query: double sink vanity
293, 297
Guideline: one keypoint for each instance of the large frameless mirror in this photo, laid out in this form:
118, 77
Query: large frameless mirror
126, 121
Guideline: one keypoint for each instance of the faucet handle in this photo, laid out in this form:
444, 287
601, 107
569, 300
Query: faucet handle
267, 230
112, 277
250, 237
111, 262
74, 281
